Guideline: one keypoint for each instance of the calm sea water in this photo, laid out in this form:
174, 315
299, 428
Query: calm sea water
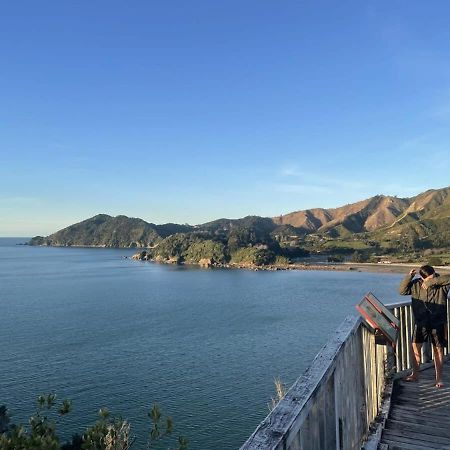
203, 344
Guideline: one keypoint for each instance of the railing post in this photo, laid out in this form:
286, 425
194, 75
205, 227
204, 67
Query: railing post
398, 352
448, 326
408, 333
404, 354
413, 324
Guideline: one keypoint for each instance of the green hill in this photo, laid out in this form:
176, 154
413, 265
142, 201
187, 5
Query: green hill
106, 231
377, 225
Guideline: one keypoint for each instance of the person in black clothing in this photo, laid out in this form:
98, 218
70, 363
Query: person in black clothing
429, 305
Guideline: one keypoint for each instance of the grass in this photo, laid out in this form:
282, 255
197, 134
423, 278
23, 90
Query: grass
280, 392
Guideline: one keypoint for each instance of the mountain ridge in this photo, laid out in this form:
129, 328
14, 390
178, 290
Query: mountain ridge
382, 223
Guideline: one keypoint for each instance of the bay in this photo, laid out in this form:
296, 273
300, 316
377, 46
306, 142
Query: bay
204, 344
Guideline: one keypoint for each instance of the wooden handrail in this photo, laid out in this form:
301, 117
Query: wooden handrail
347, 375
333, 404
398, 304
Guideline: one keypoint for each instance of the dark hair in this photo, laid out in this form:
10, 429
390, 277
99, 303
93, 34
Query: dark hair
426, 271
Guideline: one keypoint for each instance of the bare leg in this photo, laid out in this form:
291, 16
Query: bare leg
438, 364
415, 362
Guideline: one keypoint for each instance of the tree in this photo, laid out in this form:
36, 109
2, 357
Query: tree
435, 261
335, 258
108, 433
358, 257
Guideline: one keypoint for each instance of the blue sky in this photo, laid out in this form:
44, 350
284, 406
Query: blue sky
190, 111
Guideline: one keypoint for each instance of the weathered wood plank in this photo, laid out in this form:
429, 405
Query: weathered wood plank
442, 421
411, 438
395, 445
420, 414
419, 429
428, 403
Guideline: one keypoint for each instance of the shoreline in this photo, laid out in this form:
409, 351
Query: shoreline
394, 268
340, 267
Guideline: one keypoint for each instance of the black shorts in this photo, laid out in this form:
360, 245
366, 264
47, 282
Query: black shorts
436, 334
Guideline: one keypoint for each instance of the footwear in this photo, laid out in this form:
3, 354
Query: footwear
411, 378
439, 384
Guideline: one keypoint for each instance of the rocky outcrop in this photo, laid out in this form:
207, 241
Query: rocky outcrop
174, 260
206, 262
141, 256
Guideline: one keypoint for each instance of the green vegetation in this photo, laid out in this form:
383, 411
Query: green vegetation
106, 231
435, 261
253, 256
404, 229
251, 231
248, 241
108, 433
335, 258
206, 249
189, 248
359, 257
282, 261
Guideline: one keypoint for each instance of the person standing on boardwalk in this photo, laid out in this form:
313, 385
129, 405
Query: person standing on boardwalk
429, 306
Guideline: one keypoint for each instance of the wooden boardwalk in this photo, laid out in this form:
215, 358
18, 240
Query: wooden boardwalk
419, 417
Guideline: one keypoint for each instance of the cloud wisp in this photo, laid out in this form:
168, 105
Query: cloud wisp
294, 180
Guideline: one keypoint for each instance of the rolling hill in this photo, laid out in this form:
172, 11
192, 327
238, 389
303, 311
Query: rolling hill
377, 224
103, 230
371, 214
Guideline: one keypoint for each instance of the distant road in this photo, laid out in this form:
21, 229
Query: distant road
391, 268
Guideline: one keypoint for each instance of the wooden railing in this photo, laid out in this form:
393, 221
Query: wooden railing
403, 354
334, 403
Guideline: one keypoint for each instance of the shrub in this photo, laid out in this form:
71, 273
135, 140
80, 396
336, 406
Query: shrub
108, 433
335, 258
282, 261
435, 261
207, 249
359, 257
255, 256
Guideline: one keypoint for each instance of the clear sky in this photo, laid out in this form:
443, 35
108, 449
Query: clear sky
187, 111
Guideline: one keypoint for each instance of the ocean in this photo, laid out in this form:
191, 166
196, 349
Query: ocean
205, 345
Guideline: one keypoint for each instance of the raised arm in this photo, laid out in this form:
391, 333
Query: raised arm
406, 283
438, 281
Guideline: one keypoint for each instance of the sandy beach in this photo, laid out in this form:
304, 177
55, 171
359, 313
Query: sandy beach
378, 268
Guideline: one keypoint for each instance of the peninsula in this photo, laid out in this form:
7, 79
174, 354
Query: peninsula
381, 229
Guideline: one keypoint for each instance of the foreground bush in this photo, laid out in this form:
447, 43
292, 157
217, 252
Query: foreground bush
108, 433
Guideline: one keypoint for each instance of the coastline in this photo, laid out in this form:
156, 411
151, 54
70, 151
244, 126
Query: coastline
393, 267
340, 267
399, 268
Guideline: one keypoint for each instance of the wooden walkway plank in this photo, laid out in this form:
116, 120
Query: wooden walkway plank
405, 438
411, 417
395, 445
421, 433
419, 417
